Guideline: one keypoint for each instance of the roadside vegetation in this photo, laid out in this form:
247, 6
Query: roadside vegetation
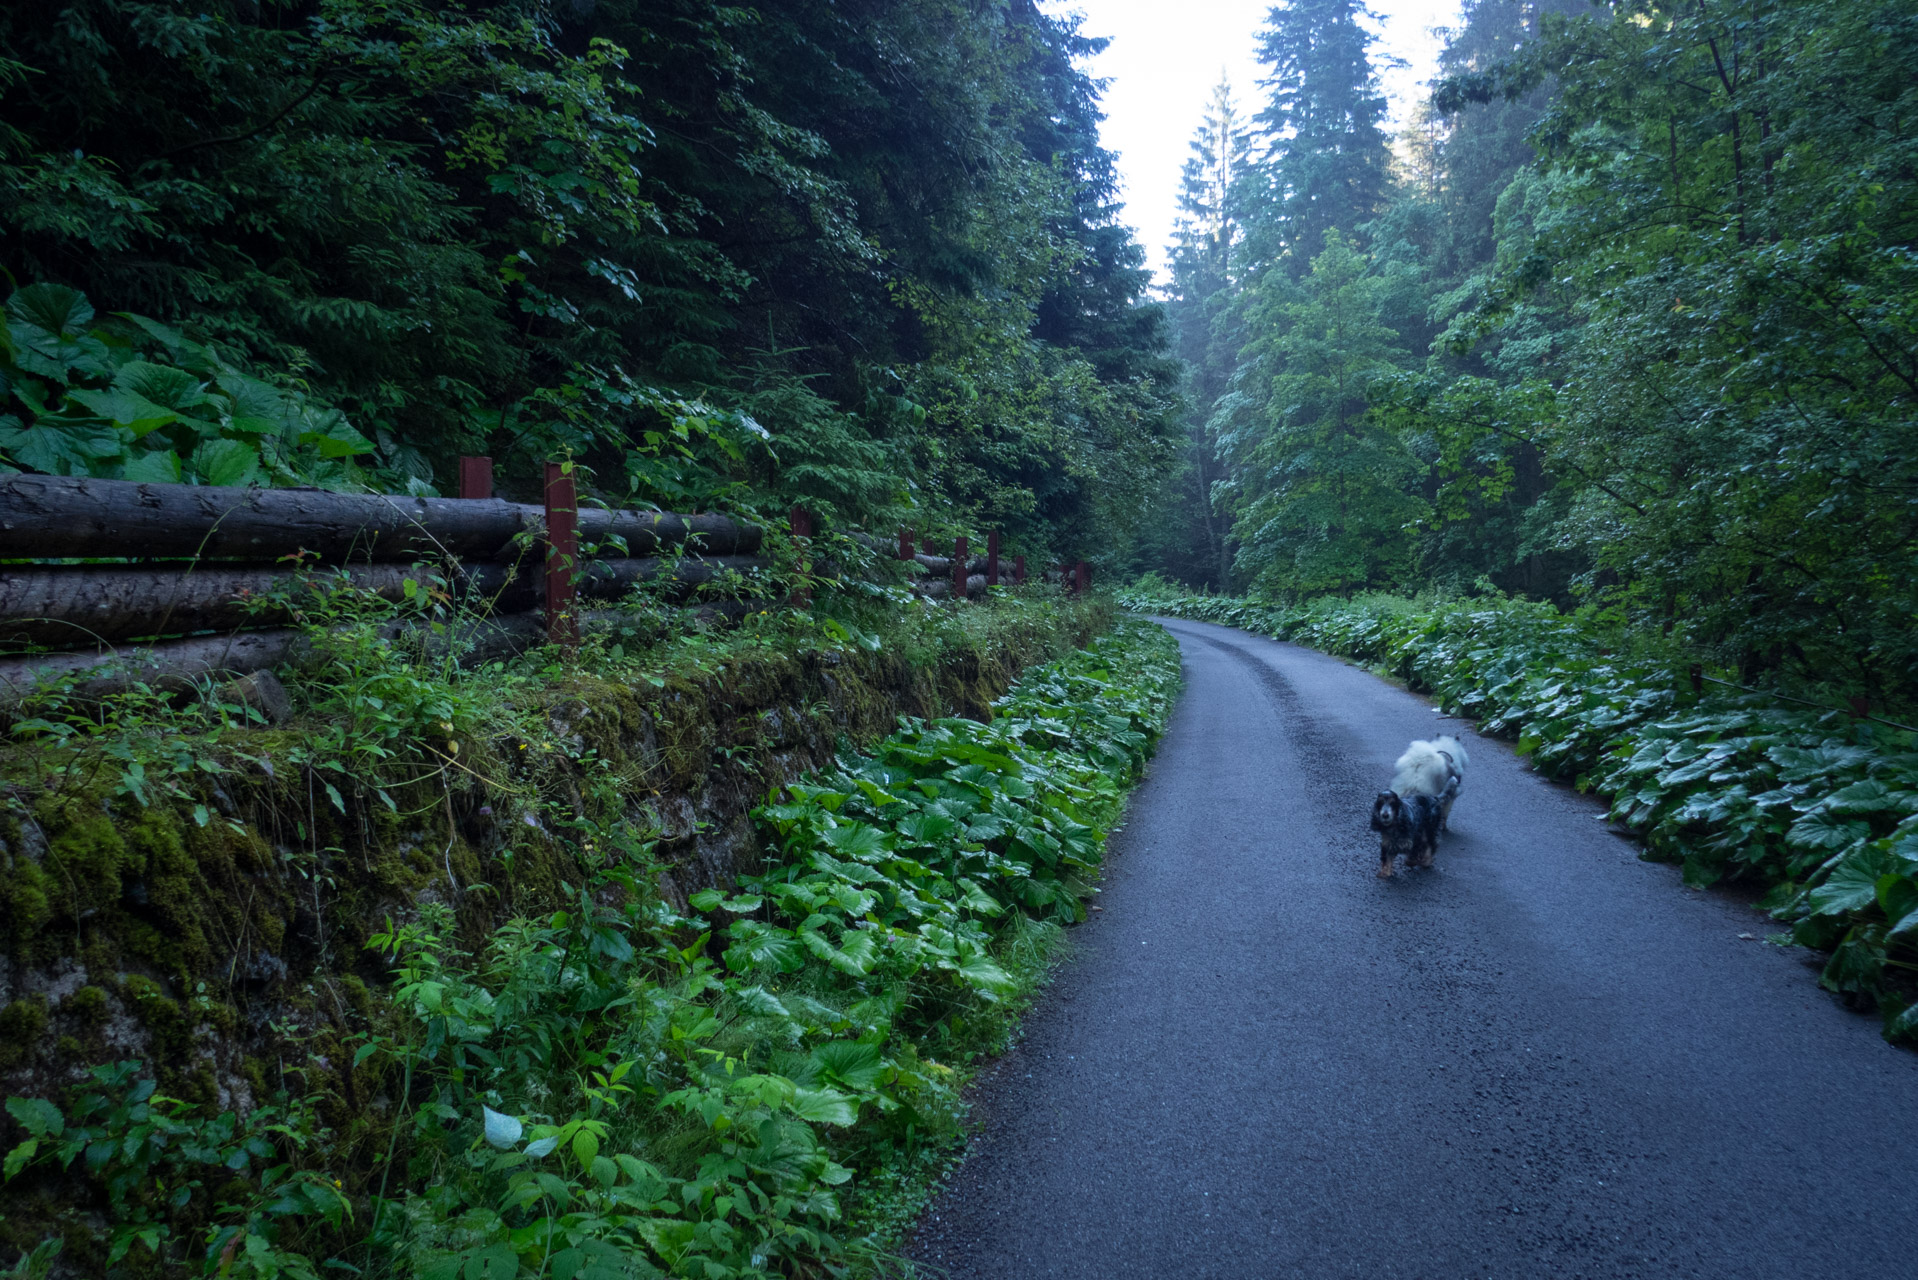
1817, 806
760, 1081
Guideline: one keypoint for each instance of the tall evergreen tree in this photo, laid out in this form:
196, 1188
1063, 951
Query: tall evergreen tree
1327, 162
1207, 240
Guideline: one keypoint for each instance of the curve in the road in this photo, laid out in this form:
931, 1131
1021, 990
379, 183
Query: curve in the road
1542, 1059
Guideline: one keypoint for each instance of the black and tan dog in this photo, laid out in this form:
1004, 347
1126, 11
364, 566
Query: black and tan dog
1407, 825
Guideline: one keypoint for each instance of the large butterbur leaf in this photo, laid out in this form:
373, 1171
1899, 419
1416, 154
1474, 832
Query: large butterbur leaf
1852, 885
61, 447
824, 1106
161, 466
229, 463
52, 308
332, 436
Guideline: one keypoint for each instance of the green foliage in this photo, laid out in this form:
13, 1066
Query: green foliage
619, 1088
1639, 331
721, 256
190, 1193
131, 399
1819, 807
1320, 502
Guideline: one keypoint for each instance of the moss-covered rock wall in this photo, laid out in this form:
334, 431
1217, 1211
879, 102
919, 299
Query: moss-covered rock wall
218, 932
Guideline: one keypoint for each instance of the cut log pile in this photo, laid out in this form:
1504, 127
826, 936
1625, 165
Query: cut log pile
187, 582
247, 562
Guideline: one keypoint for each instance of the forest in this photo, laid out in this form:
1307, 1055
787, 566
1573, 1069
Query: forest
862, 257
1627, 322
1624, 321
673, 946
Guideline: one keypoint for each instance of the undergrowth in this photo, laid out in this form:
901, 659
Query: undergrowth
1817, 807
759, 1084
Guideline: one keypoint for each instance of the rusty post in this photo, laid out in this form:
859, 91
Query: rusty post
1019, 571
476, 477
905, 544
801, 598
1084, 573
562, 556
992, 558
959, 567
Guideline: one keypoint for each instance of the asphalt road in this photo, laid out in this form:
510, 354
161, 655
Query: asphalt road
1543, 1058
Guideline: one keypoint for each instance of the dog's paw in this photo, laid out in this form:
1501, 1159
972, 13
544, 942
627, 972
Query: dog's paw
1385, 873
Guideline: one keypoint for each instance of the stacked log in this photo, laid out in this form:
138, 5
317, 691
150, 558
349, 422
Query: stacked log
75, 516
84, 606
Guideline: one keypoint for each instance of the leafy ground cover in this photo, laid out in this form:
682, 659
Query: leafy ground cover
1818, 807
760, 1084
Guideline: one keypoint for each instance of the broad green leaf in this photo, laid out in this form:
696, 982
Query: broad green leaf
337, 439
857, 840
585, 1148
226, 463
62, 448
152, 466
160, 384
122, 408
1852, 885
55, 308
986, 976
851, 1063
824, 1106
18, 1157
1821, 830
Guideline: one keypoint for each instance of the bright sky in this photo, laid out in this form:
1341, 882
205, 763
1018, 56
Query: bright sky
1166, 56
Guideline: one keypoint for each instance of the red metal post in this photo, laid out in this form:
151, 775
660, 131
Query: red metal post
801, 598
959, 567
562, 556
992, 558
905, 544
1019, 571
1084, 572
476, 477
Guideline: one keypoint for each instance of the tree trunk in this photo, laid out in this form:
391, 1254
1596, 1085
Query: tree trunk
179, 666
48, 516
90, 606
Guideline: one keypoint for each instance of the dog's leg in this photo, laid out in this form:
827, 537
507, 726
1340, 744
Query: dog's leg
1386, 858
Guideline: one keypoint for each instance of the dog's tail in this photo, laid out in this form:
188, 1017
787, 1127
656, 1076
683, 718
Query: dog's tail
1422, 771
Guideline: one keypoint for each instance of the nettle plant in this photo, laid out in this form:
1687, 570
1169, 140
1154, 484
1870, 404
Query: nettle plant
128, 398
1819, 806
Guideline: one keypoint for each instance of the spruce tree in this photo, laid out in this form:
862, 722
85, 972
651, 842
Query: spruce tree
1205, 274
1327, 161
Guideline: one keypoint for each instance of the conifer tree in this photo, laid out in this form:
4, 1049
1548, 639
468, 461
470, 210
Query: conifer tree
1327, 160
1205, 273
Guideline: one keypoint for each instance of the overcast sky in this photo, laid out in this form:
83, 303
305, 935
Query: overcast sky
1166, 56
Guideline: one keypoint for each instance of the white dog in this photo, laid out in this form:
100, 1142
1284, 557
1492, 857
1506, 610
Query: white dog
1435, 769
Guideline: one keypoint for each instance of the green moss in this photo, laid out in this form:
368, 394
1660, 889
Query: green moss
87, 853
21, 1025
88, 1004
28, 905
160, 1014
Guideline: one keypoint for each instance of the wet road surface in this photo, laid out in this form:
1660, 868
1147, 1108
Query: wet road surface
1544, 1058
